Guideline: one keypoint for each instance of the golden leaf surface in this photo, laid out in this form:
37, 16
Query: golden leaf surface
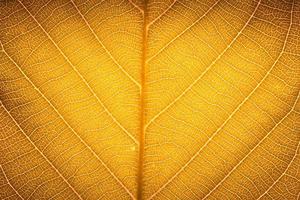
164, 99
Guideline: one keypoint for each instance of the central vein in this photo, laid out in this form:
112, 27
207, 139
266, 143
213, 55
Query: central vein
142, 105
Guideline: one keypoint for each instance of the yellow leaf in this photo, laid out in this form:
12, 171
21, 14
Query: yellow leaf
157, 99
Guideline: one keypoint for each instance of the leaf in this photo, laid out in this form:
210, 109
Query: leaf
128, 99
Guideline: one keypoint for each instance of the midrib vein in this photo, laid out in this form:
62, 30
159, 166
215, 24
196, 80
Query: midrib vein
142, 105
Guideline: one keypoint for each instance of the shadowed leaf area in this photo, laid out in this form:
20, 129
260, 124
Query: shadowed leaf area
157, 99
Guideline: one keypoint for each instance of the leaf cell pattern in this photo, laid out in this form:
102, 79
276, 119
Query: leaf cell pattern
157, 99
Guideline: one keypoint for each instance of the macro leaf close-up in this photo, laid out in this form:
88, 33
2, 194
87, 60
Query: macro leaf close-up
149, 99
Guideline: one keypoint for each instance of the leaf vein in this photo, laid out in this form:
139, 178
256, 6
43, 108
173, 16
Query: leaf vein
278, 179
69, 126
206, 70
136, 6
256, 146
8, 182
184, 31
101, 43
238, 107
82, 78
162, 14
41, 153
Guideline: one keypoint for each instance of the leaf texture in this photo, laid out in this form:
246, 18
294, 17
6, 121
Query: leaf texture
157, 99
